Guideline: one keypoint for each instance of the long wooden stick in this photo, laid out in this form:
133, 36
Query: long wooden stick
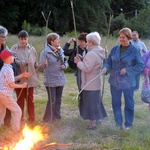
38, 69
74, 23
55, 144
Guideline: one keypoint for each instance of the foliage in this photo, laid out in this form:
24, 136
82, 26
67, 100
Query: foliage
89, 15
35, 30
141, 23
117, 23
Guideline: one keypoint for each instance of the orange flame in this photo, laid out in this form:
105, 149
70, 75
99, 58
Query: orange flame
30, 137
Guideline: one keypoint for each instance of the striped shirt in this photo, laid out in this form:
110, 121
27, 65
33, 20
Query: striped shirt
6, 77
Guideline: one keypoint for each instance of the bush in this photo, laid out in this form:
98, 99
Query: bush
35, 30
72, 34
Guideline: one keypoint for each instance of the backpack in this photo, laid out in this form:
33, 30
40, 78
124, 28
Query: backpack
15, 68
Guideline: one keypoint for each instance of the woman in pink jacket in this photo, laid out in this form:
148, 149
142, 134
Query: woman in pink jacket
91, 106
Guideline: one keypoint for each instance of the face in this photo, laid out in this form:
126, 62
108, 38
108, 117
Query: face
56, 42
89, 43
3, 39
23, 41
135, 36
82, 43
124, 41
9, 60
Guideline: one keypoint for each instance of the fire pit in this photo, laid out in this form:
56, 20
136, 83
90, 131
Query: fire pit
32, 139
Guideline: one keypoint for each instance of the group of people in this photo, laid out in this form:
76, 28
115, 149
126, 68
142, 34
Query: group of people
88, 60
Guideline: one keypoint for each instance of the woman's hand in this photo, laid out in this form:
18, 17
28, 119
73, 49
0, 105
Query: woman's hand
45, 63
77, 59
104, 70
123, 71
63, 67
71, 40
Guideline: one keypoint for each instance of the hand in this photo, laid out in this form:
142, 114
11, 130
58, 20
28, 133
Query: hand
63, 67
25, 75
77, 59
28, 61
71, 40
123, 71
45, 63
24, 85
81, 57
36, 65
104, 70
106, 50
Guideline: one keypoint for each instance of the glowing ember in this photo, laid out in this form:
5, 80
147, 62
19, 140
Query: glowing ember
30, 137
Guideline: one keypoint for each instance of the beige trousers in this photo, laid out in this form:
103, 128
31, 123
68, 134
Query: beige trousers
16, 113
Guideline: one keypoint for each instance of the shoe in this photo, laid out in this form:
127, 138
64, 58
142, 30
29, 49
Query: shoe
127, 128
91, 128
120, 127
98, 122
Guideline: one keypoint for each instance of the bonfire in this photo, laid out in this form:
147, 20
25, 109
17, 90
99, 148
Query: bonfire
30, 138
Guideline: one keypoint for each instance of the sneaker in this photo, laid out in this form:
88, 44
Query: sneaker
127, 128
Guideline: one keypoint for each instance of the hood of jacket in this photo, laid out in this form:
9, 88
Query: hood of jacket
98, 50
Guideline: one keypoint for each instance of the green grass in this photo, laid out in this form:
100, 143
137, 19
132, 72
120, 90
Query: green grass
72, 128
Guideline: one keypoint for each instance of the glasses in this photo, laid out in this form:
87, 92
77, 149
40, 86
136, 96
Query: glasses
3, 37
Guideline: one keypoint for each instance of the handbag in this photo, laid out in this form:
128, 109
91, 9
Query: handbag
145, 93
122, 81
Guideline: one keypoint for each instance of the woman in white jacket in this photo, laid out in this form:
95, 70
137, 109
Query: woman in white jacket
91, 106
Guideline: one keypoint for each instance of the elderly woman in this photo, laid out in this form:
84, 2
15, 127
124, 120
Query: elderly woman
3, 38
124, 62
91, 106
54, 64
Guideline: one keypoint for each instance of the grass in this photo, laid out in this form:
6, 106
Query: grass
71, 128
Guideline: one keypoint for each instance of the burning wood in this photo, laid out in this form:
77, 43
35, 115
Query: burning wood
55, 144
29, 138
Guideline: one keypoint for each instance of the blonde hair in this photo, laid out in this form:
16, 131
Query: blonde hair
52, 37
127, 32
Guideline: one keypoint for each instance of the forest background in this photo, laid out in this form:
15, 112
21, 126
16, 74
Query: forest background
89, 15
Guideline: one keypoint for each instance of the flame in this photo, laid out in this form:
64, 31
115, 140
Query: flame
30, 137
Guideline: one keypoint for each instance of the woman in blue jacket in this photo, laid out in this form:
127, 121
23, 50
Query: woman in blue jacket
53, 63
123, 62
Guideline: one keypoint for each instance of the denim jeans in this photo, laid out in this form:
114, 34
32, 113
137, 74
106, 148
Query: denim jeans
137, 78
52, 111
128, 106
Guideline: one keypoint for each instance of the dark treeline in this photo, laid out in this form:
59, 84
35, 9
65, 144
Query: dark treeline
90, 15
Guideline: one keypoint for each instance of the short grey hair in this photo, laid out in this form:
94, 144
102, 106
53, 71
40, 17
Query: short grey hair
94, 37
3, 31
